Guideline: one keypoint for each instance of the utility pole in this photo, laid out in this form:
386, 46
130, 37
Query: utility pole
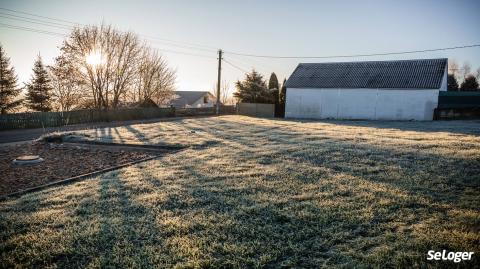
218, 81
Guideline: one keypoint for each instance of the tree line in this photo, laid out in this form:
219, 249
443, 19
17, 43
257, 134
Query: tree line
99, 67
469, 80
254, 89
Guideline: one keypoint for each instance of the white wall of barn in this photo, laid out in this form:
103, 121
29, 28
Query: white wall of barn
444, 86
370, 104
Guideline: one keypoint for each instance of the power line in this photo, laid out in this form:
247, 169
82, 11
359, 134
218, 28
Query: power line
186, 53
31, 30
63, 35
49, 24
180, 46
352, 56
62, 26
251, 63
39, 16
245, 72
234, 66
260, 65
35, 19
187, 45
192, 45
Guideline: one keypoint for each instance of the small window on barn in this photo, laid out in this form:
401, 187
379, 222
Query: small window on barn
205, 99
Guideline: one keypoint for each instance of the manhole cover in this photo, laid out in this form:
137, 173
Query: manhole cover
28, 159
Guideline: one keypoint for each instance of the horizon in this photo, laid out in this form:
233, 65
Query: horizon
192, 51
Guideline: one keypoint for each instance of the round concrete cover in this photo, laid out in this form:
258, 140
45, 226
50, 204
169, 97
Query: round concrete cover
28, 159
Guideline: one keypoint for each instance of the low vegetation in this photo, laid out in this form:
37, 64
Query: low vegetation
262, 193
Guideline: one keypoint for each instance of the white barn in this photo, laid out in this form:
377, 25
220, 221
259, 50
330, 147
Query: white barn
373, 90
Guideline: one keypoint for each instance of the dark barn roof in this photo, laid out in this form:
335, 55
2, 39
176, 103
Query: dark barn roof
405, 74
187, 97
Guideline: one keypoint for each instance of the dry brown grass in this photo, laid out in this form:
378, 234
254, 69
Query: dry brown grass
262, 193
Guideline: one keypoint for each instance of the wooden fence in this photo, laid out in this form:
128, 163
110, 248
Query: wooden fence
55, 119
454, 99
257, 110
199, 111
458, 105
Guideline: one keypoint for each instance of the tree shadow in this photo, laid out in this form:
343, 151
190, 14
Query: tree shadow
417, 172
208, 217
311, 230
140, 136
125, 229
251, 227
122, 140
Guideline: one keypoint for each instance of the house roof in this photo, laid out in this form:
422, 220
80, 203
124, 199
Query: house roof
413, 74
187, 97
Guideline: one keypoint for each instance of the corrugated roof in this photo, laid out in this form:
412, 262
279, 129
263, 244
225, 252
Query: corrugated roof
187, 97
413, 74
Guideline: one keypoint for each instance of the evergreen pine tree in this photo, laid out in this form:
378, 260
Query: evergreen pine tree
273, 82
253, 89
8, 85
452, 84
469, 84
39, 89
280, 108
283, 92
273, 87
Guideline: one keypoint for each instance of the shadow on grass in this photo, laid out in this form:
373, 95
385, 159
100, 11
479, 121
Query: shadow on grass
125, 233
296, 215
456, 127
119, 135
140, 136
442, 179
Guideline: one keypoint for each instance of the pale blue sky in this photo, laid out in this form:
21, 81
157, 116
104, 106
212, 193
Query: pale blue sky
304, 28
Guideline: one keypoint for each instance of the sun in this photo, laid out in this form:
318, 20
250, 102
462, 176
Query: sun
94, 58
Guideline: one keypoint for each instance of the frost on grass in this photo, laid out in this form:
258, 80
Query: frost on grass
265, 193
171, 133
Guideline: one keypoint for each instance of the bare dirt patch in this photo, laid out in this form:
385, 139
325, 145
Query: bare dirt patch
61, 161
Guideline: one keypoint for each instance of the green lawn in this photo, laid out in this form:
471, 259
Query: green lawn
262, 193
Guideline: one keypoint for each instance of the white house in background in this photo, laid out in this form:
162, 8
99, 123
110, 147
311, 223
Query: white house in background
374, 90
186, 99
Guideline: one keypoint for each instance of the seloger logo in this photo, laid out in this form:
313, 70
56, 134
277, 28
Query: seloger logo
449, 256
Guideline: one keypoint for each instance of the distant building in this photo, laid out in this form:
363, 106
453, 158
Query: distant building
186, 99
374, 90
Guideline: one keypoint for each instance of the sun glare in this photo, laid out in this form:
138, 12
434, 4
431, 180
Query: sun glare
94, 58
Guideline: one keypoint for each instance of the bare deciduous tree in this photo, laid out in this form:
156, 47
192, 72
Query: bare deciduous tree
80, 50
453, 67
155, 80
225, 93
105, 59
110, 68
126, 55
68, 90
466, 68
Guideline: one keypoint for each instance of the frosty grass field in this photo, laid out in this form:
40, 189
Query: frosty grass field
254, 192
